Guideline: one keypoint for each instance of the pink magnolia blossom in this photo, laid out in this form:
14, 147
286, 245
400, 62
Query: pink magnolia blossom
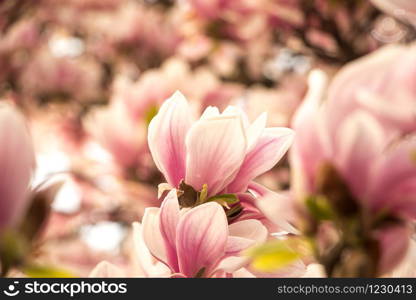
221, 150
118, 133
379, 170
46, 75
17, 164
198, 241
373, 159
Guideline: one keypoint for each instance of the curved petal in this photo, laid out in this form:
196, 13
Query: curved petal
16, 165
201, 238
166, 138
215, 151
270, 148
169, 218
152, 235
231, 264
237, 244
249, 229
255, 130
360, 141
311, 144
209, 112
147, 266
279, 209
243, 234
394, 182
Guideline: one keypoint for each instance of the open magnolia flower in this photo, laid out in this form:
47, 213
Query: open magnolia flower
221, 150
197, 242
356, 167
374, 160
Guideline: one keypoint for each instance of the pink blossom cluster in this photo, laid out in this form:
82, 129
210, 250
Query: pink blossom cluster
207, 139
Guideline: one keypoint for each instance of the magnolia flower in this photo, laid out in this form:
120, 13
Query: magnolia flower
118, 133
198, 242
221, 150
379, 171
17, 163
376, 169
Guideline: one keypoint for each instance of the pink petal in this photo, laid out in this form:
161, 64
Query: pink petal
166, 137
311, 146
209, 112
360, 140
399, 114
394, 180
106, 270
237, 244
16, 165
230, 264
279, 209
243, 273
393, 244
147, 266
169, 218
255, 130
270, 148
243, 234
249, 229
215, 151
151, 234
201, 238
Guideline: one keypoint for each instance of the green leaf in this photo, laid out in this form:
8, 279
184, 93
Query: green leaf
36, 271
225, 199
319, 208
272, 256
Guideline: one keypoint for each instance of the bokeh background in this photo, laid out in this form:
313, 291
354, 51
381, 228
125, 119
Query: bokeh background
89, 75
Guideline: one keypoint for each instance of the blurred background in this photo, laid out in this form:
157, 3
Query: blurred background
89, 75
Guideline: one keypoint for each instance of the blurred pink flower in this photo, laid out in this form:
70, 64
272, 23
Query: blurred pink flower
379, 170
223, 150
17, 165
383, 83
198, 241
46, 76
118, 133
372, 157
